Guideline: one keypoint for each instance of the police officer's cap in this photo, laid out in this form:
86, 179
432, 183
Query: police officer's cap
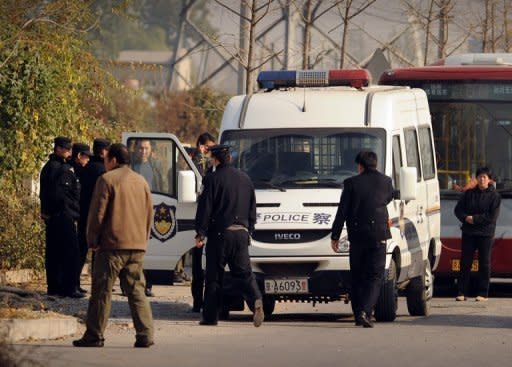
63, 142
81, 148
100, 143
219, 149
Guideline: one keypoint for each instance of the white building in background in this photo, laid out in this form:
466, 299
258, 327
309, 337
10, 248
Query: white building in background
151, 70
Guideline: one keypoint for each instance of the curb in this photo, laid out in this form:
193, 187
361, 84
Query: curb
54, 328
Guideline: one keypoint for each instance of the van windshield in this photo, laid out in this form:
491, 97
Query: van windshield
298, 158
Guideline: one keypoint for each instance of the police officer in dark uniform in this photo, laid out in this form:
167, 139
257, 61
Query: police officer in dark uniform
363, 206
65, 214
80, 158
226, 215
94, 169
61, 151
204, 165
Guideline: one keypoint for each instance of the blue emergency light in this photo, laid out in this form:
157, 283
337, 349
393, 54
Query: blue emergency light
356, 78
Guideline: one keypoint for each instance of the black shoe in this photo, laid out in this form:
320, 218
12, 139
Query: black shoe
143, 342
75, 294
148, 292
365, 320
206, 322
81, 290
358, 321
88, 343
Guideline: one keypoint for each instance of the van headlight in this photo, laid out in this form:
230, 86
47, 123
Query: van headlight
343, 245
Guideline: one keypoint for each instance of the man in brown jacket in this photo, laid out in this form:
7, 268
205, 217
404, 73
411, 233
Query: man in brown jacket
118, 228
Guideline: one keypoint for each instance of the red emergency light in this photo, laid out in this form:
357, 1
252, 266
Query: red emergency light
356, 78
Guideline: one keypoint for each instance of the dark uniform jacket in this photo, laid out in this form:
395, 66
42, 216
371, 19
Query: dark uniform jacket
94, 169
228, 198
363, 207
66, 192
484, 206
47, 184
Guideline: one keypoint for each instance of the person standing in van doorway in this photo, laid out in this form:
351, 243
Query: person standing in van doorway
226, 215
204, 165
478, 210
363, 206
151, 170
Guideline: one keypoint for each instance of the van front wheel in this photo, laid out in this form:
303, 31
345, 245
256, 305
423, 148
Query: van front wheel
420, 291
385, 309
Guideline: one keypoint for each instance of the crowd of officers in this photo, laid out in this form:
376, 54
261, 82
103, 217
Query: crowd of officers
226, 216
66, 187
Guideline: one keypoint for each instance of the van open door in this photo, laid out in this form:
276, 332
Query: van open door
175, 183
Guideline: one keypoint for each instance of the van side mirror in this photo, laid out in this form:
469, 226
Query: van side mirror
186, 187
408, 183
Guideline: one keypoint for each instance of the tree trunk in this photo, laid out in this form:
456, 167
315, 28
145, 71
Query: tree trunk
348, 4
249, 81
306, 48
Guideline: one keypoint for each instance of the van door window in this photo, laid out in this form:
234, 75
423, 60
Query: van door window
427, 153
159, 162
397, 161
411, 150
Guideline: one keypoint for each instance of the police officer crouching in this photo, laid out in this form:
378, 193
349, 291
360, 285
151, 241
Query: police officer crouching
226, 215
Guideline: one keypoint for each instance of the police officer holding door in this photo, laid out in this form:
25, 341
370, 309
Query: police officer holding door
226, 215
363, 207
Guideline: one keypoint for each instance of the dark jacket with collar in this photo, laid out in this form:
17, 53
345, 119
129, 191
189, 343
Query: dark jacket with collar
66, 193
484, 206
227, 198
47, 184
89, 175
363, 207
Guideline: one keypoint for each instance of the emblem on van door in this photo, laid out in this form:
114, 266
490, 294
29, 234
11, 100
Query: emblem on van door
164, 223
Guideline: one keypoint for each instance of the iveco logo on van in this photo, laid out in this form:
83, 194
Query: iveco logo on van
286, 236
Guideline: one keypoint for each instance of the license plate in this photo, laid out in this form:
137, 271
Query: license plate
286, 286
456, 265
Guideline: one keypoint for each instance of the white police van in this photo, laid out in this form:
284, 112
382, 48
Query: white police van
297, 140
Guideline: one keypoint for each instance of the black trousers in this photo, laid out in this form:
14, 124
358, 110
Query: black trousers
61, 254
469, 245
367, 265
232, 248
82, 250
197, 286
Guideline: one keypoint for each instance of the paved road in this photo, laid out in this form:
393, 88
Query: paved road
456, 334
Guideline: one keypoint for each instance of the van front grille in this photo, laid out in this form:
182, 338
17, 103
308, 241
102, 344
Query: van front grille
288, 269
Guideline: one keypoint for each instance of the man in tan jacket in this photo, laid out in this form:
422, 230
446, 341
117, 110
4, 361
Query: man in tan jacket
118, 228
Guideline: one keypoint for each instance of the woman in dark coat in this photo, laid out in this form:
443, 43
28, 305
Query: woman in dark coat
478, 210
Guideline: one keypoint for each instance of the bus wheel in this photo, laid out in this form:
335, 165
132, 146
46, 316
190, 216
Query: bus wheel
420, 291
385, 309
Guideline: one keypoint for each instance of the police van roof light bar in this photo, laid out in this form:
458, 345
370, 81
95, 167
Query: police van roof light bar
356, 78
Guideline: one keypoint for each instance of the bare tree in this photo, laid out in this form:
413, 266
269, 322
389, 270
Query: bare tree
255, 11
348, 10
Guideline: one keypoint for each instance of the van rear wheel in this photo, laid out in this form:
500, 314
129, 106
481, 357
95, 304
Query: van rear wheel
385, 309
420, 291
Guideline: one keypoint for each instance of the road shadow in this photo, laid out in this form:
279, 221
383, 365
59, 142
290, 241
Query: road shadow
162, 309
451, 320
306, 319
499, 288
